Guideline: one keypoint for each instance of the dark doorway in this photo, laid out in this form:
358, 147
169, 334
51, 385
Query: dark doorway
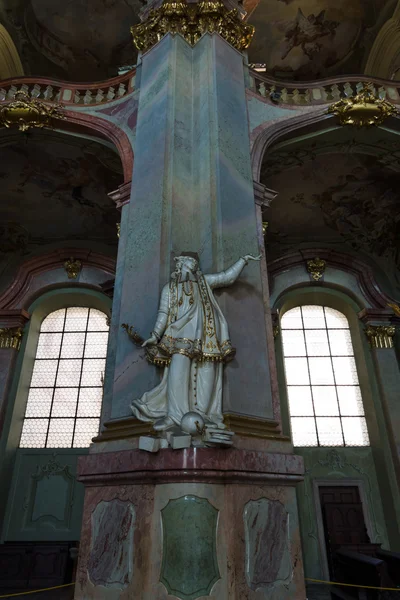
343, 518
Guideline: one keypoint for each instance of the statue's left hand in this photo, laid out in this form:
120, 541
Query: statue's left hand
251, 257
150, 342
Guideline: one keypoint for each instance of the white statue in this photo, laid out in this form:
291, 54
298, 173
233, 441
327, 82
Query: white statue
191, 339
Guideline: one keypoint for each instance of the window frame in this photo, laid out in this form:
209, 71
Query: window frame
61, 388
18, 395
347, 305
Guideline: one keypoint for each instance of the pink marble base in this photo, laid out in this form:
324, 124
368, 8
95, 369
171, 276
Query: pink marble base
257, 535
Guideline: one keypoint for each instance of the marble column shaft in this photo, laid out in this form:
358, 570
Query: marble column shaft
192, 189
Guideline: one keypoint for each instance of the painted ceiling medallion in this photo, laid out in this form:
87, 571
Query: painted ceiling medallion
191, 21
26, 113
364, 109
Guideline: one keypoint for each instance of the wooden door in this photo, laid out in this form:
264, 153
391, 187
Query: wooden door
343, 517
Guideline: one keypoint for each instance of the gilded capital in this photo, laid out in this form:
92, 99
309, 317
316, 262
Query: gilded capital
11, 337
380, 336
191, 21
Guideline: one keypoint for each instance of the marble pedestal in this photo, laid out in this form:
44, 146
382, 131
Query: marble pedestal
193, 523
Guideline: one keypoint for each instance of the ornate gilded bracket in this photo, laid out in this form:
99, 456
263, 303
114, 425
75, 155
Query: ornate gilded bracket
363, 109
316, 267
118, 229
380, 336
11, 337
25, 112
73, 268
191, 21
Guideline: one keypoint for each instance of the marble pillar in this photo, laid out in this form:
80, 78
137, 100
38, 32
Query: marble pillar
188, 523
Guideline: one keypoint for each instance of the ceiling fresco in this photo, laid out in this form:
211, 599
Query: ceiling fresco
310, 39
85, 40
338, 191
54, 191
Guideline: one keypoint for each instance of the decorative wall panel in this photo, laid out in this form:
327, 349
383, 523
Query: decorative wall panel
45, 501
111, 558
268, 560
189, 567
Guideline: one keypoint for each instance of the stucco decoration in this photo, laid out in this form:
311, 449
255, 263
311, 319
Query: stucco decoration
111, 554
298, 39
268, 560
339, 191
189, 564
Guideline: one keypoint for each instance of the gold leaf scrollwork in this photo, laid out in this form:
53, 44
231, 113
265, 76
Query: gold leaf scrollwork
364, 109
11, 337
191, 21
395, 308
316, 267
380, 336
25, 112
72, 267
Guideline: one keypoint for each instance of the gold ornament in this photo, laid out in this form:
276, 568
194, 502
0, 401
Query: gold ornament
264, 227
11, 337
73, 268
192, 21
395, 308
316, 267
380, 336
118, 229
364, 109
26, 113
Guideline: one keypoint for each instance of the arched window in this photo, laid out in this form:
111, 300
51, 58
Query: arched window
325, 402
65, 392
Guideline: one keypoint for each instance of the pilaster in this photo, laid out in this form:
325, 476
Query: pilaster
12, 323
380, 329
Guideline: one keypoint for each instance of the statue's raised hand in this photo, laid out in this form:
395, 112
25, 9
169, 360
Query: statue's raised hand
248, 257
150, 342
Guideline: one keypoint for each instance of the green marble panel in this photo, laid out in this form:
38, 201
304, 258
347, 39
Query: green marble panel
189, 566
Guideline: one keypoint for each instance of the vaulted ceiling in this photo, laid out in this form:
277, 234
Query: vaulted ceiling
87, 40
337, 190
53, 192
77, 40
311, 39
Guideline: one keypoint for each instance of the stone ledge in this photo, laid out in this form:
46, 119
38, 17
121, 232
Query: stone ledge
207, 465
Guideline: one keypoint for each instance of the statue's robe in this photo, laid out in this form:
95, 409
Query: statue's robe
194, 344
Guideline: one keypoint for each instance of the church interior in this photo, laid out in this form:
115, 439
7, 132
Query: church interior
200, 299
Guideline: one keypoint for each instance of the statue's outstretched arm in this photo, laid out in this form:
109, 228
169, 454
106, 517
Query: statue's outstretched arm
229, 276
162, 318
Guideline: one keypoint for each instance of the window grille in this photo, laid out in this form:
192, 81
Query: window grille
65, 393
325, 402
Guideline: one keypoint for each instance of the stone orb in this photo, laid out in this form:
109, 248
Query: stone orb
192, 422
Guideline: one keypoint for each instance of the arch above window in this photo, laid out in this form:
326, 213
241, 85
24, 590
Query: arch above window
325, 403
66, 388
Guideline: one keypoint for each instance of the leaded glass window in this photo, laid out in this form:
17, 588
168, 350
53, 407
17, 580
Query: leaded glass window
325, 402
65, 393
